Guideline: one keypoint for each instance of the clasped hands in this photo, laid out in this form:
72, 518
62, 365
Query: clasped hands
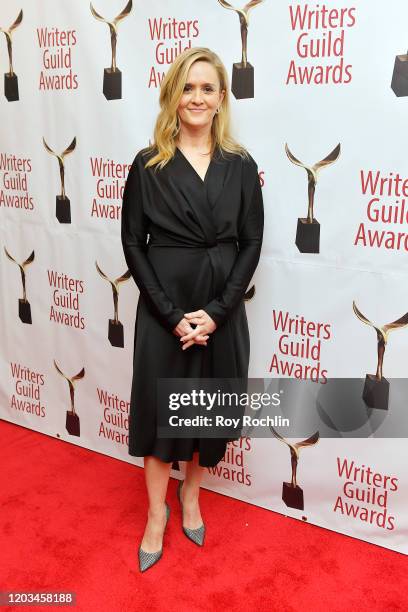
198, 335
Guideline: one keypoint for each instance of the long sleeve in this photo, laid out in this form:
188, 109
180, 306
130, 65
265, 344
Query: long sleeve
134, 241
250, 243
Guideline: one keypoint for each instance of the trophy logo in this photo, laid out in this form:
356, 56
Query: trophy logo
112, 77
292, 494
399, 82
242, 83
62, 203
10, 77
308, 228
115, 331
72, 420
24, 308
376, 387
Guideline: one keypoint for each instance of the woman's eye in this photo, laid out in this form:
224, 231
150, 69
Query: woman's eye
207, 88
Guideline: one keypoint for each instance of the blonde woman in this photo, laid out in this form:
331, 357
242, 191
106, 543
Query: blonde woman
192, 228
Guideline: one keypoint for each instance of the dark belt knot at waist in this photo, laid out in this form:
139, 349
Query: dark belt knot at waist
213, 252
209, 244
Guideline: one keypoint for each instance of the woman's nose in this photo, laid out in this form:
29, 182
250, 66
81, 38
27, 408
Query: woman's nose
196, 95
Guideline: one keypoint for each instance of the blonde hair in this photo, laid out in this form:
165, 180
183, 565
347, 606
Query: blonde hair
171, 91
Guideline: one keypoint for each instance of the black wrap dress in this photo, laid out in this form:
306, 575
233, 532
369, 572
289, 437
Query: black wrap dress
189, 244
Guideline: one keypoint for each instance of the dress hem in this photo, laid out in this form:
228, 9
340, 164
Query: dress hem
165, 460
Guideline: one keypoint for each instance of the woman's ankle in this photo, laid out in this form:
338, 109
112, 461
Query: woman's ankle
190, 493
157, 510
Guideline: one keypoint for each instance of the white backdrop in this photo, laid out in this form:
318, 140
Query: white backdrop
70, 319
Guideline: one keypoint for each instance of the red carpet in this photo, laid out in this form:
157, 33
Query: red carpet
72, 520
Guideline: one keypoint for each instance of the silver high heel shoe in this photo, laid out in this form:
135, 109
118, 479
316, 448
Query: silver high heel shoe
147, 559
195, 535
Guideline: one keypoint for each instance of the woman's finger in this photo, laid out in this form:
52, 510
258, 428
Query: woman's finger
187, 344
200, 339
194, 313
197, 331
190, 343
196, 320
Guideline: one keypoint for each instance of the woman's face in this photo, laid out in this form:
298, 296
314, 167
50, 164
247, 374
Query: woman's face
201, 96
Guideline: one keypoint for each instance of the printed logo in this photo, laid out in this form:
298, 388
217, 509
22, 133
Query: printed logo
114, 424
115, 331
366, 494
376, 387
65, 306
173, 36
26, 398
242, 83
292, 494
381, 213
62, 203
56, 46
10, 77
234, 464
72, 419
110, 178
302, 340
15, 178
24, 308
399, 82
321, 35
308, 228
112, 77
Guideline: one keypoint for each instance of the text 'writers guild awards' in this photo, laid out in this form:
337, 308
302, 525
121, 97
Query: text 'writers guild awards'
62, 203
376, 387
399, 82
72, 420
115, 332
242, 82
10, 77
112, 77
308, 228
24, 308
292, 494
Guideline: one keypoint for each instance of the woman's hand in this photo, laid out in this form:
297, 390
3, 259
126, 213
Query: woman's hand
183, 328
205, 326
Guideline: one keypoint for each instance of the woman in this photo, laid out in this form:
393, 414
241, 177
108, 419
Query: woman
196, 192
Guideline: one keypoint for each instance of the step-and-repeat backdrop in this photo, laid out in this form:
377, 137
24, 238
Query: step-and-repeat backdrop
320, 99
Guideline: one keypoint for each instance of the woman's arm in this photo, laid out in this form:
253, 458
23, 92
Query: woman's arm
250, 243
134, 234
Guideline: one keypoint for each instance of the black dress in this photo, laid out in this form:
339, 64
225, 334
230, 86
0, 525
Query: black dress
204, 245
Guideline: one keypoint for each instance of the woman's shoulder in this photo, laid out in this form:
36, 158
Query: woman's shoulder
242, 157
249, 170
249, 161
143, 155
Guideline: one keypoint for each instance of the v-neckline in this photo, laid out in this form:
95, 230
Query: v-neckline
203, 180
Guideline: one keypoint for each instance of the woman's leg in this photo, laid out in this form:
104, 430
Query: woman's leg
157, 477
190, 492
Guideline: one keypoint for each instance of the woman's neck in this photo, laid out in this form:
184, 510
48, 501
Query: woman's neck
198, 140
